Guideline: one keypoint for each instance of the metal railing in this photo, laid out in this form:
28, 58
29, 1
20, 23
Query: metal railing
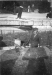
8, 32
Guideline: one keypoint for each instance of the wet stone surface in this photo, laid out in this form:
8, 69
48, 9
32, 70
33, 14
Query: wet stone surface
19, 66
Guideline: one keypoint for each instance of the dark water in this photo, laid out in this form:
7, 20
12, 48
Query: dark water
31, 67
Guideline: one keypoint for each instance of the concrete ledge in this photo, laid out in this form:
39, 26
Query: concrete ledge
40, 22
15, 22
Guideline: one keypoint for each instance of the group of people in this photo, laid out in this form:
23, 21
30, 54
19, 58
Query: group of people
33, 41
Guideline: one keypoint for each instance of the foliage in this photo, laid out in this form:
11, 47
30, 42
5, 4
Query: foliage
46, 38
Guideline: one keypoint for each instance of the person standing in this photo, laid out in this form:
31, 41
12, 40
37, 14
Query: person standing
29, 8
20, 9
35, 38
33, 7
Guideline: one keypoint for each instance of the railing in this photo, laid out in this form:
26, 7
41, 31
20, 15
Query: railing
8, 32
14, 22
17, 22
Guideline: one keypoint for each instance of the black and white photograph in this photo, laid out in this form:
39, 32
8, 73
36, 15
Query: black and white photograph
25, 37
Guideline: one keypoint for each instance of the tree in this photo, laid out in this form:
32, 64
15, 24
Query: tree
44, 6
